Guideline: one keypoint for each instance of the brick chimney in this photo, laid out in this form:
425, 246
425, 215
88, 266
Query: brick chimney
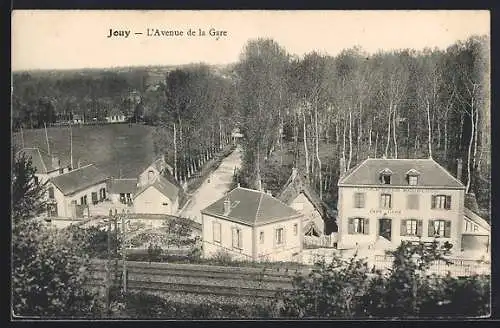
459, 169
55, 162
227, 206
342, 166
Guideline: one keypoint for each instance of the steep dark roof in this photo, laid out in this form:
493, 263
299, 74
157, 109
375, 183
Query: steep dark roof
431, 174
162, 185
79, 179
296, 185
251, 207
125, 186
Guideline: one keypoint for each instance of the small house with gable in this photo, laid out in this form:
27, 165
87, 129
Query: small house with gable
319, 219
156, 193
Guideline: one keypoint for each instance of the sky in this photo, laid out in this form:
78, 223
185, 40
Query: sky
75, 39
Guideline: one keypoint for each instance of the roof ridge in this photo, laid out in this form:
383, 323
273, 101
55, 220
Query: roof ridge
76, 169
258, 207
354, 169
446, 171
257, 191
401, 159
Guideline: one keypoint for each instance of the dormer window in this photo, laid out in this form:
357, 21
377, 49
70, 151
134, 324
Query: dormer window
412, 177
385, 176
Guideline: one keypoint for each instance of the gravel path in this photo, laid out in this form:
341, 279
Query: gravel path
214, 187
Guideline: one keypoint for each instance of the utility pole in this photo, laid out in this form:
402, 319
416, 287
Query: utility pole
124, 255
22, 136
71, 144
108, 264
47, 138
116, 246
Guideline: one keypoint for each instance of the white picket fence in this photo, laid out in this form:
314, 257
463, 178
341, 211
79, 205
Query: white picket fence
457, 268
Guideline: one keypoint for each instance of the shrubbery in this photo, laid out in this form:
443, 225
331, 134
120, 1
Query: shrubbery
349, 289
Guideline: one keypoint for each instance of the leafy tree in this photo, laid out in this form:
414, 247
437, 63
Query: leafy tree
28, 191
331, 290
49, 268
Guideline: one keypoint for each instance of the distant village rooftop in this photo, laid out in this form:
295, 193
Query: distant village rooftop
250, 207
429, 172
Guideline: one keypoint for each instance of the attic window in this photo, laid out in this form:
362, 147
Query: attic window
412, 177
385, 176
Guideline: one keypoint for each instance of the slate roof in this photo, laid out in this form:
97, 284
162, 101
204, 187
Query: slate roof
122, 186
79, 179
296, 185
251, 207
431, 174
164, 186
41, 160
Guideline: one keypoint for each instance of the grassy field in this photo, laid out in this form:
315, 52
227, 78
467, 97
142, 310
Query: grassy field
114, 148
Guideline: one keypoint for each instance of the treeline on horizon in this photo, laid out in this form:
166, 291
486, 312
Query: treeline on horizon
397, 104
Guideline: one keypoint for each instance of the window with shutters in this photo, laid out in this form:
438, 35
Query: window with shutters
411, 227
51, 192
280, 236
359, 200
295, 229
442, 202
237, 241
52, 210
261, 237
94, 198
36, 180
358, 226
440, 228
217, 231
412, 202
385, 201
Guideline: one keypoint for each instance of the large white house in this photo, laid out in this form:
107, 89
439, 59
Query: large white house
252, 225
391, 200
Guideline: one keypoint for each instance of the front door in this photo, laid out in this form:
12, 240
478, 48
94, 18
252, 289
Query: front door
385, 228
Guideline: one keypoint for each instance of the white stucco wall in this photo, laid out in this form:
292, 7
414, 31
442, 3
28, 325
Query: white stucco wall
397, 213
290, 250
64, 207
304, 206
211, 247
151, 201
143, 177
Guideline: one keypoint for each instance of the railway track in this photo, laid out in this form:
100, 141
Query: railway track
166, 287
199, 279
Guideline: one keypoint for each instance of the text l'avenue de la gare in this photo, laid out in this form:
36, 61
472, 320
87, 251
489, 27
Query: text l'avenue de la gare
157, 32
